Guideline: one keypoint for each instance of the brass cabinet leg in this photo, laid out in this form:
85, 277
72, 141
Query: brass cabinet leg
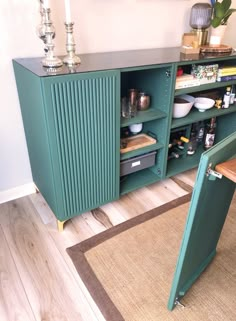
60, 225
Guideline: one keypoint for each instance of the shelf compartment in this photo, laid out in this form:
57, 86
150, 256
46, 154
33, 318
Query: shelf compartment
141, 151
204, 87
176, 166
195, 116
137, 180
136, 142
143, 116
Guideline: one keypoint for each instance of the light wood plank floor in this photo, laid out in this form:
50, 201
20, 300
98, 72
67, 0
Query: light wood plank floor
37, 278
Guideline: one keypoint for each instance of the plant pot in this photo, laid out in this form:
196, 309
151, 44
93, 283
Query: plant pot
217, 35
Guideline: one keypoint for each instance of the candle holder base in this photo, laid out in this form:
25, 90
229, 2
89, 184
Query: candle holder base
52, 62
72, 59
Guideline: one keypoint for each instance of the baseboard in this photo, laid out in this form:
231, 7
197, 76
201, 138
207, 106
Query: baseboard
17, 192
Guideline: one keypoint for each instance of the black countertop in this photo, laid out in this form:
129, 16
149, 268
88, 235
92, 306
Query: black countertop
120, 60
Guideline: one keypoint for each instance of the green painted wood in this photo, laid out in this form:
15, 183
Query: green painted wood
176, 166
204, 87
83, 128
226, 125
136, 180
36, 132
207, 213
195, 116
144, 116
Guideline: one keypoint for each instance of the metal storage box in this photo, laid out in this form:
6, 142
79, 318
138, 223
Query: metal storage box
135, 164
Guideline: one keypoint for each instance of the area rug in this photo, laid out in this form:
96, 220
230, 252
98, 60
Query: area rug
129, 268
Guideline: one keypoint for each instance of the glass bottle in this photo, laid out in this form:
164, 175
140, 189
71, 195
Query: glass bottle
200, 132
192, 145
226, 99
210, 134
232, 95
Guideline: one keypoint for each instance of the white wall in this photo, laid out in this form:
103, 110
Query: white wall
100, 25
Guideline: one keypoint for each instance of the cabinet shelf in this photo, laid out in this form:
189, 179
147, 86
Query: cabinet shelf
143, 116
141, 151
175, 166
195, 116
204, 87
136, 180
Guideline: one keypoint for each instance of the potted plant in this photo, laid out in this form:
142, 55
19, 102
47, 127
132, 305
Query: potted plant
221, 12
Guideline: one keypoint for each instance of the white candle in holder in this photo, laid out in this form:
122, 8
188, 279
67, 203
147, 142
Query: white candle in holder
68, 13
46, 4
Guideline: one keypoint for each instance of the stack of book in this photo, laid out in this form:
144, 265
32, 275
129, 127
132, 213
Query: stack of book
226, 73
185, 81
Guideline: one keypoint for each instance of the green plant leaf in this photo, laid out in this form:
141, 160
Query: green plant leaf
226, 5
228, 14
218, 10
215, 22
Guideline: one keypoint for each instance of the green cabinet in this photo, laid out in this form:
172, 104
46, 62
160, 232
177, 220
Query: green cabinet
72, 123
72, 129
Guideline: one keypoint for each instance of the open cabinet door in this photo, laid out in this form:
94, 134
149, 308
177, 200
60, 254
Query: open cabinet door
207, 212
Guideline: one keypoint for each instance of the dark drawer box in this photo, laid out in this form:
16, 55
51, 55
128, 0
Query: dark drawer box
138, 163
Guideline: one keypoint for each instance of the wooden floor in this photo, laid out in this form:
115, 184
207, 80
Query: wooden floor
37, 278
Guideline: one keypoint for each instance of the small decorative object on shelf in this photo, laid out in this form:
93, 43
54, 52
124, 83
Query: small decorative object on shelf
205, 73
143, 101
46, 32
226, 99
71, 58
200, 20
189, 44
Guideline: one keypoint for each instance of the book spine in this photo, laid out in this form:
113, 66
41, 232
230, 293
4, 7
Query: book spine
226, 78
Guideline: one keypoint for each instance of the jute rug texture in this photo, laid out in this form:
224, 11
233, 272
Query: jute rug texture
129, 269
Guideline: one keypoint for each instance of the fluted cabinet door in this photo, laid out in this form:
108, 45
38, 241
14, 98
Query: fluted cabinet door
82, 115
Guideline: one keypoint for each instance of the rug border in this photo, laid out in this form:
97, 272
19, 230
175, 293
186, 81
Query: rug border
86, 273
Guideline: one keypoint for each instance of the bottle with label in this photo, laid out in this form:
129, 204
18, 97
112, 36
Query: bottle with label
226, 100
200, 132
210, 134
232, 95
192, 145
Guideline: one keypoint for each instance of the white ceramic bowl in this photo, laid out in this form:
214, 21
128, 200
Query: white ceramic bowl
136, 128
181, 109
202, 103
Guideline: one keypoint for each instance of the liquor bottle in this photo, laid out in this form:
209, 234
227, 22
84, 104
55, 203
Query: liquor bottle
232, 95
210, 134
192, 145
226, 99
178, 141
200, 132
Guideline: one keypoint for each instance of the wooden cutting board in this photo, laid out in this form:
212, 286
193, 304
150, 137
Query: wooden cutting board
136, 142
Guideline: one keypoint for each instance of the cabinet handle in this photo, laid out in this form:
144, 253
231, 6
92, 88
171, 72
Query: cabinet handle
168, 73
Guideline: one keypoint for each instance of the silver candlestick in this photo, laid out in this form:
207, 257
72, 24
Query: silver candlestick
71, 58
41, 28
47, 36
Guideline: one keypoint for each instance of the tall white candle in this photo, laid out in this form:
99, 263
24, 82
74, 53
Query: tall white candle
45, 4
68, 13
